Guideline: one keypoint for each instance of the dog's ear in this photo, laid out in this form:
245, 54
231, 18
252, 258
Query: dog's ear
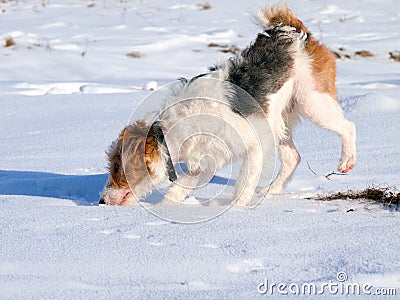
117, 175
130, 143
155, 138
133, 139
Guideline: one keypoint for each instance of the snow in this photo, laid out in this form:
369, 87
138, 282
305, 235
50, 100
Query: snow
68, 86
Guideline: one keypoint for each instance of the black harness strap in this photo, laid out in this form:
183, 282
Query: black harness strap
159, 134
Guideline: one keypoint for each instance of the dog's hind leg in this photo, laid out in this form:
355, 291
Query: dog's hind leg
249, 175
324, 111
281, 122
290, 158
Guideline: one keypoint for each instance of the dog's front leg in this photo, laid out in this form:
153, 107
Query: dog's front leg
249, 176
182, 187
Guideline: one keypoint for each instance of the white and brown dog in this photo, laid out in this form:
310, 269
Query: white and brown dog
288, 73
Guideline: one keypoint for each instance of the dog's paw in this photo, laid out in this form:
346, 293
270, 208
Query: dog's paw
240, 203
273, 189
242, 200
346, 164
175, 194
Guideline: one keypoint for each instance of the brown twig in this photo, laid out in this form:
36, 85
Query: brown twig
333, 173
309, 167
327, 176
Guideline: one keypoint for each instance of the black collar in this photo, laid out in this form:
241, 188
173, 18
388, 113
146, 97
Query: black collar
156, 129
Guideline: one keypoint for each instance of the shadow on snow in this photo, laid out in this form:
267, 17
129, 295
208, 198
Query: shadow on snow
82, 189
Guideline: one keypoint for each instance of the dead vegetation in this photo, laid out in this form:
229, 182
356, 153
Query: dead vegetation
327, 176
225, 48
211, 45
364, 53
134, 54
395, 55
341, 53
387, 196
232, 49
204, 6
9, 41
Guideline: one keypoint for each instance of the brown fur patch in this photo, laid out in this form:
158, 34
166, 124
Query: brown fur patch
323, 67
323, 61
117, 176
140, 147
278, 15
152, 150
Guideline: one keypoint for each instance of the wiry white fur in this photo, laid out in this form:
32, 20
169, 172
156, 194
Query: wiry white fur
261, 19
206, 134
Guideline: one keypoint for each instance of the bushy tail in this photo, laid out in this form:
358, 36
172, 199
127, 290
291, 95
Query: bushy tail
272, 18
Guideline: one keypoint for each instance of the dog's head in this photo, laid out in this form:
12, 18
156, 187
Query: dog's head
134, 164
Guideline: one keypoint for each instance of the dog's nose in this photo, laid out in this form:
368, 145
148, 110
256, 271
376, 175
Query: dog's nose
101, 201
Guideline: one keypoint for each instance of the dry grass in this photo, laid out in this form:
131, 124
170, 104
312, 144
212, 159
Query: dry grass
395, 55
205, 6
134, 54
8, 42
387, 196
341, 53
211, 45
364, 53
232, 49
225, 48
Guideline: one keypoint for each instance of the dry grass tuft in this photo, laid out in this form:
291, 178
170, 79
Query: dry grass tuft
212, 44
341, 53
134, 54
364, 53
395, 55
9, 41
205, 6
388, 196
225, 48
232, 49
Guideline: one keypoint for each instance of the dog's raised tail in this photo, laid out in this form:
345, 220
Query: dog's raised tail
278, 16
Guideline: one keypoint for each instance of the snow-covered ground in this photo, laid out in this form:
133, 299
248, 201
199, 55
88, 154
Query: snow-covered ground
70, 82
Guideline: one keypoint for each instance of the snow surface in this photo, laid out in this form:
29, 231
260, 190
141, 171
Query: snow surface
71, 82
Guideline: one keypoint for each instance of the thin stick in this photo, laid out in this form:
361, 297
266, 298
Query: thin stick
326, 176
309, 167
334, 173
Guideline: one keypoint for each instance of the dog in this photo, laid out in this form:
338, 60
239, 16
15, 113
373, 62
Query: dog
288, 73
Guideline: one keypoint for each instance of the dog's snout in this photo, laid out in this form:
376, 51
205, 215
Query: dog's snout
101, 201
